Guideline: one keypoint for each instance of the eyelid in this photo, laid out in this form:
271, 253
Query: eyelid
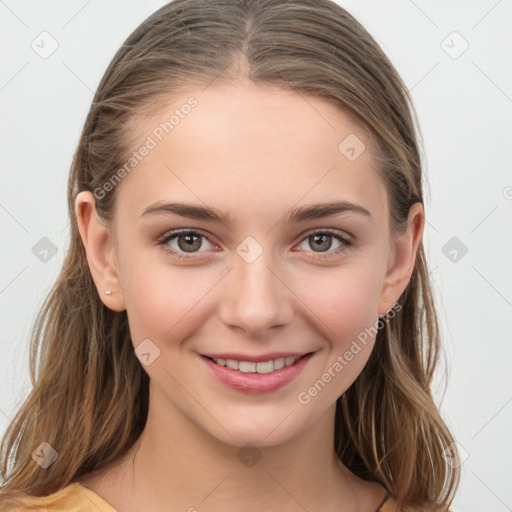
331, 231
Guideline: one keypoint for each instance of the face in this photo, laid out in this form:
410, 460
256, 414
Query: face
223, 260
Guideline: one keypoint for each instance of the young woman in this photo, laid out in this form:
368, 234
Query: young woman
244, 319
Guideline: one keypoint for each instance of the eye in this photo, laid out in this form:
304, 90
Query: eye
184, 243
321, 241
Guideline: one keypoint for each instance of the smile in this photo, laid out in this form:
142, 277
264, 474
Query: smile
264, 376
260, 367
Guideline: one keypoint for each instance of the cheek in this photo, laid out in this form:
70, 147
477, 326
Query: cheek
345, 316
344, 306
343, 302
163, 302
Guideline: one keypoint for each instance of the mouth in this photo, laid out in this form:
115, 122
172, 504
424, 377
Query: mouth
265, 375
261, 367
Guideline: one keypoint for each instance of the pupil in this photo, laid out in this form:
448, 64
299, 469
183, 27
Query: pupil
324, 239
189, 244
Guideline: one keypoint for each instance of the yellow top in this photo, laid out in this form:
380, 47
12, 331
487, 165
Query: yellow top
77, 498
73, 498
388, 505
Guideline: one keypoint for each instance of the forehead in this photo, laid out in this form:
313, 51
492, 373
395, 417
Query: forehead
251, 147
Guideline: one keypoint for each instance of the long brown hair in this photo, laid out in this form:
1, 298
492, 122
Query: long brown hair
89, 400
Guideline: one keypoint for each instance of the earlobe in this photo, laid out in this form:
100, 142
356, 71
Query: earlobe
98, 244
405, 248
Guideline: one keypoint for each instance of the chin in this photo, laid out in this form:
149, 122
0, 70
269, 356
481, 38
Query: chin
261, 429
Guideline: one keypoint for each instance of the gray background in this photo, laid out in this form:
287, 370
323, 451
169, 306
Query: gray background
464, 101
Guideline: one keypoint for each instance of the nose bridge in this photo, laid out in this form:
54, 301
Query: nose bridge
255, 298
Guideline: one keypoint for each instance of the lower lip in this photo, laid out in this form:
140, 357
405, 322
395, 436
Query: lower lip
256, 382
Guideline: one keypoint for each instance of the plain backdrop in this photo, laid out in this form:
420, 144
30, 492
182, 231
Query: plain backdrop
455, 57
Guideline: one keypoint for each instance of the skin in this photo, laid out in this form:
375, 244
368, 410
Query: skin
257, 152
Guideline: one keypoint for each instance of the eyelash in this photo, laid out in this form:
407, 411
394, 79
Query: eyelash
346, 243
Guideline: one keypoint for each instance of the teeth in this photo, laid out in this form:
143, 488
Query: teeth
247, 367
266, 367
261, 367
231, 363
279, 363
289, 360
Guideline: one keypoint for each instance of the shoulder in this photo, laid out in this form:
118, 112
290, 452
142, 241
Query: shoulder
388, 505
73, 497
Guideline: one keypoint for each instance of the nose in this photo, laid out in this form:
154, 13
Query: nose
256, 296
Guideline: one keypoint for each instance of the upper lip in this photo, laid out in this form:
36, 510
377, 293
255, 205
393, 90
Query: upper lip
255, 358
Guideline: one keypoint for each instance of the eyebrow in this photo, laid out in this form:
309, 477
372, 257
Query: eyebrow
303, 213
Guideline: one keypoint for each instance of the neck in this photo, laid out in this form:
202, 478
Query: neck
176, 463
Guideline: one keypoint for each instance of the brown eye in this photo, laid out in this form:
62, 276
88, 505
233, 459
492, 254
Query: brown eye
321, 242
185, 243
189, 243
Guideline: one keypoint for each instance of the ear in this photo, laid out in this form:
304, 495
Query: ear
99, 247
405, 246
